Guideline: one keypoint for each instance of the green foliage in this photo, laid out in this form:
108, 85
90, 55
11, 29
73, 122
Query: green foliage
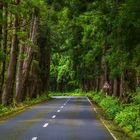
98, 97
36, 100
3, 109
13, 108
111, 105
2, 55
127, 117
136, 98
137, 127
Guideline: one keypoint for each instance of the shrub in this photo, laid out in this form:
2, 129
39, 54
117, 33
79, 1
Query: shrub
127, 117
136, 98
89, 94
111, 105
97, 97
3, 109
137, 127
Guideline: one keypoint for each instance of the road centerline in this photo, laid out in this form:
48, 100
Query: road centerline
34, 138
46, 124
54, 116
62, 106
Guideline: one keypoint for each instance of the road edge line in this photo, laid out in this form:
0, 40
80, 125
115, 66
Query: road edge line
114, 137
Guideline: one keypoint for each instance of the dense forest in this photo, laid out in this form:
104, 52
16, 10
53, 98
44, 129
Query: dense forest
63, 45
96, 42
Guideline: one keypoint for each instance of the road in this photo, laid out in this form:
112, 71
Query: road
62, 118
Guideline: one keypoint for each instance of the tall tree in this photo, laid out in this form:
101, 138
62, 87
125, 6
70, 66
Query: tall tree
30, 52
9, 83
4, 42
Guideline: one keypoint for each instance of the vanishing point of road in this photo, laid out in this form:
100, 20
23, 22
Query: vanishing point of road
62, 118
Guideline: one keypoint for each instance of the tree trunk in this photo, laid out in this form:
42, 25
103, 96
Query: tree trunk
27, 62
122, 86
19, 70
111, 87
4, 44
48, 68
116, 87
9, 83
1, 25
45, 65
20, 66
1, 18
98, 83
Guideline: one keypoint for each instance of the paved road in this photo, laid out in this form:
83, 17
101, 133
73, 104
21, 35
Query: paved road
69, 118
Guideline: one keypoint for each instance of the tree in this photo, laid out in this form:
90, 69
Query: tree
9, 83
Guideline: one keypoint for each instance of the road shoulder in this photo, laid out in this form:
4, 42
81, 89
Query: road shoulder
116, 132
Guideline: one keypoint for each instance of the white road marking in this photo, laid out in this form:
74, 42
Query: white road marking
58, 110
102, 121
45, 125
62, 106
54, 116
65, 104
34, 138
89, 101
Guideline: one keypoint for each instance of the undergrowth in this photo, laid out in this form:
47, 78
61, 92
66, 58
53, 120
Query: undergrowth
5, 110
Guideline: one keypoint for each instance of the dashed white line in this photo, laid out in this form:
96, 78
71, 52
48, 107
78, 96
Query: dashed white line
45, 125
62, 106
54, 116
34, 138
65, 104
58, 110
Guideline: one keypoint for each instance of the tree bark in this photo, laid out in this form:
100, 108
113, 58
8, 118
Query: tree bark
20, 65
1, 25
7, 95
122, 86
4, 44
27, 62
116, 87
111, 87
19, 70
45, 65
1, 18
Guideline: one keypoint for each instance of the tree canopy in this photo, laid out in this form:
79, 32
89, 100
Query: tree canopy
68, 44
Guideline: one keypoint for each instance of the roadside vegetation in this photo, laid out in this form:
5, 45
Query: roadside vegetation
7, 111
127, 116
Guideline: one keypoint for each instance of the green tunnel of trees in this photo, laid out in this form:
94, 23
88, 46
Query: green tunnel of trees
64, 45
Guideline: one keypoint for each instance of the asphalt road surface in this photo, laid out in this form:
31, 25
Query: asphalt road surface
62, 118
